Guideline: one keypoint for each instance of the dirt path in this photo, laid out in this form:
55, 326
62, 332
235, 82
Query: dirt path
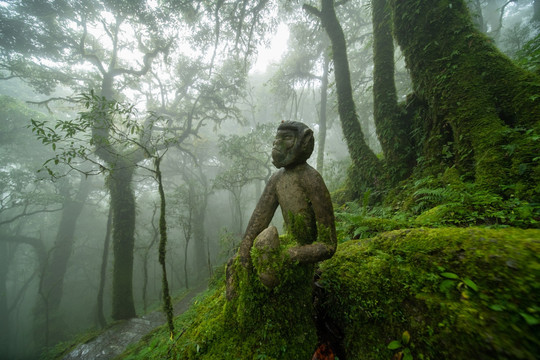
113, 341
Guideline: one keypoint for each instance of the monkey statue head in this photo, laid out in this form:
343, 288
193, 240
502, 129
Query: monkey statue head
293, 144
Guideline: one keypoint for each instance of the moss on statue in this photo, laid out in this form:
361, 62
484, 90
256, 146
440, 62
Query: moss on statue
459, 292
280, 319
260, 323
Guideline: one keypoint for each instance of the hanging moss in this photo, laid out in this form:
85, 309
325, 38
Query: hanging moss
459, 294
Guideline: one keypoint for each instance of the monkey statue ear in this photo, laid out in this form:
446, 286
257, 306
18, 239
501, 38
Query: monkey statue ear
307, 144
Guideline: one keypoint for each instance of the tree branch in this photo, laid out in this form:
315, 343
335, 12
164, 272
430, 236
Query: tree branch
312, 10
89, 57
24, 213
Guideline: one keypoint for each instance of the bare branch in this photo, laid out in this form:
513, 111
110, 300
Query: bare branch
24, 213
89, 57
312, 10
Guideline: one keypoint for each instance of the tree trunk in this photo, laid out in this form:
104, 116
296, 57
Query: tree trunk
367, 170
155, 235
393, 130
123, 207
199, 234
121, 167
4, 314
322, 116
53, 278
199, 238
167, 303
536, 14
483, 114
103, 273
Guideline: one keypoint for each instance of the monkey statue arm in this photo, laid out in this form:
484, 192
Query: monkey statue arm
325, 245
260, 219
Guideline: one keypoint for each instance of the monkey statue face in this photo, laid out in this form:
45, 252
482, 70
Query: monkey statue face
293, 144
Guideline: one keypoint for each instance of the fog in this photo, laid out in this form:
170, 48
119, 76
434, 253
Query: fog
94, 93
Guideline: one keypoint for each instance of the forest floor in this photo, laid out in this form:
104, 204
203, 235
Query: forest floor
113, 341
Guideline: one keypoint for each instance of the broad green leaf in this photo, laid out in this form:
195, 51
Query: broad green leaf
470, 284
395, 344
530, 319
449, 275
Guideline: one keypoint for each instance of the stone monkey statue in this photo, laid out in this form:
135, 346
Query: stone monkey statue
305, 204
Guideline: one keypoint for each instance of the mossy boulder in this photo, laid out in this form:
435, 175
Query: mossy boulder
447, 293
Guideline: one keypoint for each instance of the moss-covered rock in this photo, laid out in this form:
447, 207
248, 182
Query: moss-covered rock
458, 293
447, 293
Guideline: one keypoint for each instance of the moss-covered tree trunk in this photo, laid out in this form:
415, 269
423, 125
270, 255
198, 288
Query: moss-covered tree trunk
392, 128
367, 168
121, 167
482, 112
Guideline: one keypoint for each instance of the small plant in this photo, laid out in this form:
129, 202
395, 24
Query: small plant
451, 281
402, 345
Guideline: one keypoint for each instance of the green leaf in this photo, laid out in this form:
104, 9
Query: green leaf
407, 354
531, 320
405, 337
470, 284
496, 307
449, 275
395, 344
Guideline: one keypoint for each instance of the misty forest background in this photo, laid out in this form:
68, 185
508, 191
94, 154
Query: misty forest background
112, 109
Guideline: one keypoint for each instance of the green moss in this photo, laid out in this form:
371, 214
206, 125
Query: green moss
260, 323
460, 293
480, 110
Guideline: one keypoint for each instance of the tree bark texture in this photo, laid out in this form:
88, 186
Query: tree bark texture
123, 207
482, 112
393, 130
122, 167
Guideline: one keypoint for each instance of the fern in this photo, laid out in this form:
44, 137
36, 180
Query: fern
427, 198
